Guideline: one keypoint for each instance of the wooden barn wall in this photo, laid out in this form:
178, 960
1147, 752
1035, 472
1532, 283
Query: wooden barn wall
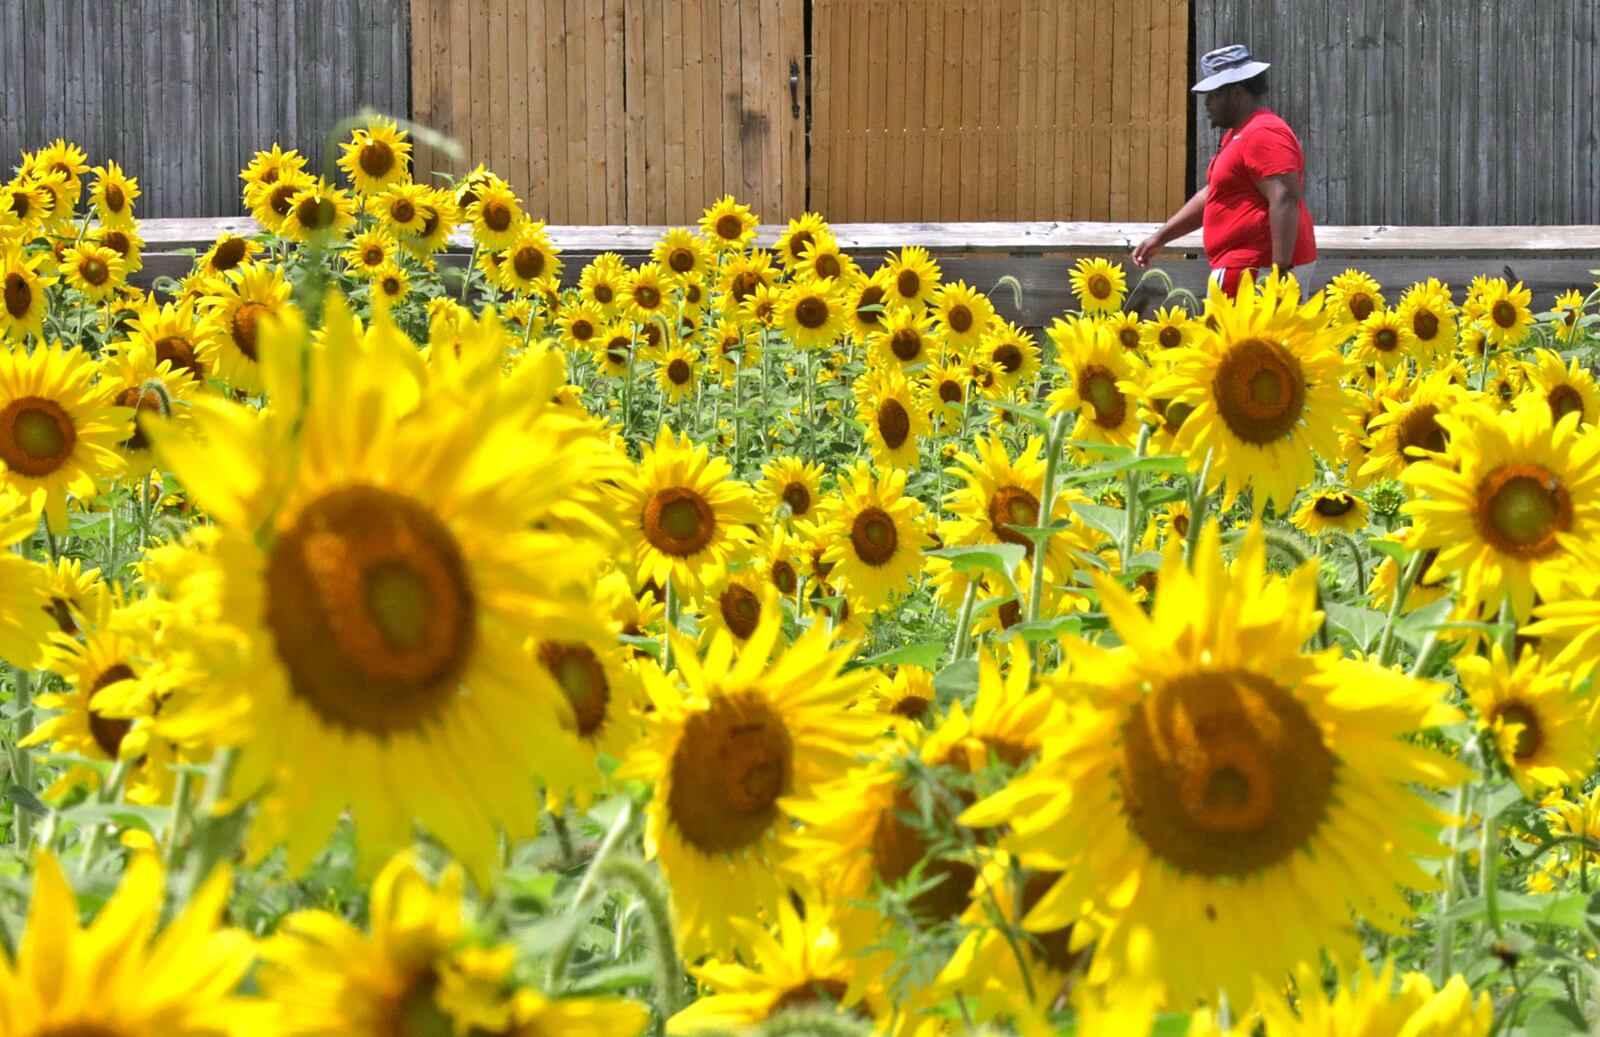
999, 109
1446, 112
181, 93
618, 111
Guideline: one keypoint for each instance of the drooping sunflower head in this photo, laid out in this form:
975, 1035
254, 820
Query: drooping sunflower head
152, 391
1331, 510
895, 416
1352, 297
22, 290
376, 156
1100, 285
113, 195
1564, 388
728, 225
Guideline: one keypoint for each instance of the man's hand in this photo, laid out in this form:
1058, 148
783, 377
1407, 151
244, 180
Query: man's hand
1147, 250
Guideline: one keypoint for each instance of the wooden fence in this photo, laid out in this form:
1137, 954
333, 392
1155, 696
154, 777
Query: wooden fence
181, 93
618, 111
1429, 111
999, 109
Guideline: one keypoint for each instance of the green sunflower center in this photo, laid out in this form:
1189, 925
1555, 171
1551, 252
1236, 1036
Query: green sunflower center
1260, 391
1521, 509
873, 536
1100, 390
37, 436
678, 521
1530, 736
582, 679
1564, 399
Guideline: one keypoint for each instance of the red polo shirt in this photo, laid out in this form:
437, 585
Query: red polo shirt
1237, 232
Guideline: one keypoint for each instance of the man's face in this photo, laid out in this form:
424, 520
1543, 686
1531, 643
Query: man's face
1219, 108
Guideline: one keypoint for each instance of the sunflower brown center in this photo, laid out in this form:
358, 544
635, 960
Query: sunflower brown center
496, 215
678, 521
528, 262
814, 993
93, 271
402, 211
898, 847
1425, 325
1009, 356
741, 610
679, 371
874, 537
1420, 428
1009, 614
1224, 773
811, 312
1530, 736
582, 679
647, 296
1386, 340
314, 212
1054, 945
581, 329
1564, 399
871, 295
179, 353
730, 227
79, 1029
20, 205
908, 283
228, 254
950, 391
1013, 506
1504, 313
1361, 305
1332, 505
142, 402
905, 344
912, 707
784, 577
1521, 509
1175, 414
894, 424
108, 732
37, 436
371, 609
733, 760
1260, 390
680, 261
246, 327
1129, 337
799, 241
376, 158
744, 284
281, 196
1101, 392
960, 318
1100, 286
19, 295
827, 265
1169, 337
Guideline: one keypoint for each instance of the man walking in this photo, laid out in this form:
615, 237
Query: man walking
1250, 206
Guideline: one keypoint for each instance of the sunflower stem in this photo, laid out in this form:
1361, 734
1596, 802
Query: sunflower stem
1354, 548
631, 876
1402, 591
216, 838
671, 626
818, 1023
182, 810
1133, 477
627, 384
110, 791
562, 958
22, 759
1047, 510
964, 620
1489, 873
1444, 924
1198, 498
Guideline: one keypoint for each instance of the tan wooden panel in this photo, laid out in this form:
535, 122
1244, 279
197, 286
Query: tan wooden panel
1068, 109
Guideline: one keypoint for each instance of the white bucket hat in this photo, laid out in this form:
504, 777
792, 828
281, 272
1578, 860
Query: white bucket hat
1230, 64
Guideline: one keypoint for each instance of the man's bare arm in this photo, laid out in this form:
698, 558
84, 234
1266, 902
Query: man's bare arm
1282, 193
1183, 221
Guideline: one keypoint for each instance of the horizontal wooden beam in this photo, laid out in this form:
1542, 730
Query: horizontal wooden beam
1035, 238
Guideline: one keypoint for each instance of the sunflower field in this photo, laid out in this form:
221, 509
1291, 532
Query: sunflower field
747, 642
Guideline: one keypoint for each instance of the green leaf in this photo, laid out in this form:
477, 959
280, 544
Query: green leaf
1527, 909
974, 559
127, 815
1414, 627
958, 680
1043, 629
1113, 522
1393, 548
1031, 414
26, 800
612, 979
1500, 798
1555, 1019
1361, 626
925, 654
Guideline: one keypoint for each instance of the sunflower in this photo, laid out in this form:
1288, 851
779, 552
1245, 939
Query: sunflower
23, 290
1383, 337
93, 270
803, 962
1431, 583
1521, 503
1330, 510
948, 385
228, 252
1408, 429
369, 250
1565, 389
894, 416
1265, 388
319, 212
682, 255
1544, 733
912, 277
237, 307
398, 207
22, 204
268, 167
173, 334
58, 430
1170, 328
743, 273
647, 294
1507, 320
529, 259
601, 282
1569, 322
113, 195
1000, 494
1105, 381
909, 695
875, 536
728, 225
605, 695
735, 600
792, 483
904, 338
684, 513
439, 217
1352, 297
964, 315
272, 204
149, 389
1426, 309
726, 751
799, 236
677, 373
1375, 1006
812, 313
60, 197
118, 975
496, 216
376, 156
1220, 746
1099, 285
60, 158
824, 259
27, 612
377, 558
